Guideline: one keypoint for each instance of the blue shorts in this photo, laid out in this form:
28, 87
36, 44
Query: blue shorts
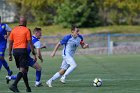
2, 51
31, 61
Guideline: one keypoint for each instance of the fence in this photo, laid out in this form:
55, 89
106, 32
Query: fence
102, 43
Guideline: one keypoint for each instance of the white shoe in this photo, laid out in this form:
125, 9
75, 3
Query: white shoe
38, 84
62, 79
8, 79
49, 83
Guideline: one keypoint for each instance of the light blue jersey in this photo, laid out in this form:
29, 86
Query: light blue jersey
70, 44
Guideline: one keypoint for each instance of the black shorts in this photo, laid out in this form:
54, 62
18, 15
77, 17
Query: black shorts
21, 57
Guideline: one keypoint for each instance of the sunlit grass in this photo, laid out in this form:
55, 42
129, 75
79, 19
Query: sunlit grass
54, 30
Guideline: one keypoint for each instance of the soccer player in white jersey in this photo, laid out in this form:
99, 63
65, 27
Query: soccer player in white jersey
70, 43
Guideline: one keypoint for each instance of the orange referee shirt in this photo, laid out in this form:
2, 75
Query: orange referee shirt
19, 35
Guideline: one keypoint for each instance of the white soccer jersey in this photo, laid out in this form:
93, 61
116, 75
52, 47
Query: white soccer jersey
36, 42
70, 44
8, 29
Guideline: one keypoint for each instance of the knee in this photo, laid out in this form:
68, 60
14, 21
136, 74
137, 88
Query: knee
39, 68
74, 66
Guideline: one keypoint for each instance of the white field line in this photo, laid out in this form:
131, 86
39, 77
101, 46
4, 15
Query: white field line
76, 80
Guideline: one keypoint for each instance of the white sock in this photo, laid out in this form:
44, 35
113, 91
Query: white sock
55, 76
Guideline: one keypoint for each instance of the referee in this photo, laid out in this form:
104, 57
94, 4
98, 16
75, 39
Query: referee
20, 37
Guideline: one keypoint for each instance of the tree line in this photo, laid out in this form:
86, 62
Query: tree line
83, 13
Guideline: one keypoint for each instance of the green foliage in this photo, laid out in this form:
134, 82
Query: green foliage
79, 12
119, 11
85, 13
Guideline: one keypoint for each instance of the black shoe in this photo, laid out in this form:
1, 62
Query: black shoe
28, 89
9, 74
7, 79
14, 89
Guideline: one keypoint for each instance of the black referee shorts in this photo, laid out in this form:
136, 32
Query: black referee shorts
21, 57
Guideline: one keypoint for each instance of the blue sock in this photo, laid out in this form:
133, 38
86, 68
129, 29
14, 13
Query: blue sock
4, 63
38, 75
0, 65
13, 77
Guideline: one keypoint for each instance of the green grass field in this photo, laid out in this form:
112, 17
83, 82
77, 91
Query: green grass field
120, 74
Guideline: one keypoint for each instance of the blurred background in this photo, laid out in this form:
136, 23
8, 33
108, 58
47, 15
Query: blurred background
109, 26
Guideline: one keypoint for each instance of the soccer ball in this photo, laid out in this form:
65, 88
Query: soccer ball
97, 82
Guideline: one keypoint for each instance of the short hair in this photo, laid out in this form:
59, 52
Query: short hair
73, 27
37, 29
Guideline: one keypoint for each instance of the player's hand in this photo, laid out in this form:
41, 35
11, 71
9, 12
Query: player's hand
86, 46
41, 60
10, 57
52, 54
5, 36
35, 58
43, 47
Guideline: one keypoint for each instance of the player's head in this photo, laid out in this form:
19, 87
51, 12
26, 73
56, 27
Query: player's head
22, 21
74, 30
37, 32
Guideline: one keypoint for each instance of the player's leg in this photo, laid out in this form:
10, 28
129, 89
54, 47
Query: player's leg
38, 74
72, 66
9, 78
0, 65
13, 87
38, 68
55, 76
22, 64
4, 63
24, 69
64, 66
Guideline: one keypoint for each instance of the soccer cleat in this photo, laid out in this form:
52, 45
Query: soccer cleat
49, 83
38, 85
14, 89
7, 79
9, 74
28, 89
62, 80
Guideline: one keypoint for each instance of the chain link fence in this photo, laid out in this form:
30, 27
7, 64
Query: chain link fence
105, 44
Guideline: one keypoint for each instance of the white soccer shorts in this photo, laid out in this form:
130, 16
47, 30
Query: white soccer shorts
68, 61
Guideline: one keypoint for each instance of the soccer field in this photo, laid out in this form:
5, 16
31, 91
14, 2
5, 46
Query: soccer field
120, 74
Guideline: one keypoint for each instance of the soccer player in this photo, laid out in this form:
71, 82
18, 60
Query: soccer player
37, 44
70, 43
4, 34
20, 37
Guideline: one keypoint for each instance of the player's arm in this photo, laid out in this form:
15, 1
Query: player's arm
10, 49
31, 44
38, 50
32, 49
10, 46
55, 49
84, 45
8, 29
38, 47
43, 47
6, 36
